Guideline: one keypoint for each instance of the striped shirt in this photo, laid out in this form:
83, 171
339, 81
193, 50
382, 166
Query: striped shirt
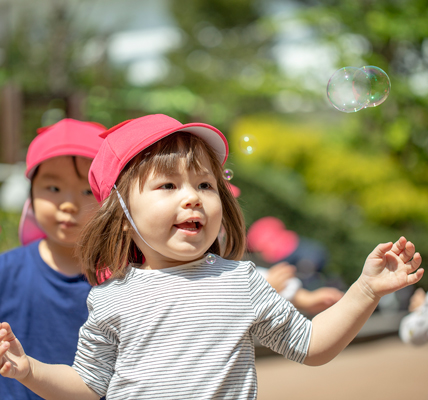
185, 332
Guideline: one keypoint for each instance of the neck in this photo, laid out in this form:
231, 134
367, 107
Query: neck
59, 258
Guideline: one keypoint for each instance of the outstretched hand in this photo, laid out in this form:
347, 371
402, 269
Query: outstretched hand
14, 362
390, 267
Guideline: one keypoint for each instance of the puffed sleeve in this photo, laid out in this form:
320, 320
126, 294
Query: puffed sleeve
414, 327
96, 351
277, 325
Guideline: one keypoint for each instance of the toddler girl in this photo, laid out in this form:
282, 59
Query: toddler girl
177, 315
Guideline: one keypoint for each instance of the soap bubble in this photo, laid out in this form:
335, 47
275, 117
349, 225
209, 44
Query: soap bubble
211, 259
348, 89
228, 174
380, 85
248, 144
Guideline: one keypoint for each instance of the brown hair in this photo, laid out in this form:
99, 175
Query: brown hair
107, 248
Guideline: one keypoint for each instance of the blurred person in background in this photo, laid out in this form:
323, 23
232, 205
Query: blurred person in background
414, 327
294, 257
285, 249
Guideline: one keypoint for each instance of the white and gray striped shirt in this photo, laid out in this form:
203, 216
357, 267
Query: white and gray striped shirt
185, 332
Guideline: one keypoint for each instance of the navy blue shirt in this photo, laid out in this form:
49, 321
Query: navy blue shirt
44, 308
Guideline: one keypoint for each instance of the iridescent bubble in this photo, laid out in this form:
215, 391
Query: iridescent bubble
211, 259
228, 174
348, 89
248, 144
380, 85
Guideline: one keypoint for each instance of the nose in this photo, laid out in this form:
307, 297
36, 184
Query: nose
68, 207
191, 199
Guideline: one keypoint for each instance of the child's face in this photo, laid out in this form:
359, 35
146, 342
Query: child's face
62, 200
179, 215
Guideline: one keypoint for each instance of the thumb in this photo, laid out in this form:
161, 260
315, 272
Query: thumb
6, 332
380, 250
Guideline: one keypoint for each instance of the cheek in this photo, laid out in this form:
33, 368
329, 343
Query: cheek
216, 212
43, 208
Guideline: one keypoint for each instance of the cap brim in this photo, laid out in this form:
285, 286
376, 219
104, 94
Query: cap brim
29, 230
217, 140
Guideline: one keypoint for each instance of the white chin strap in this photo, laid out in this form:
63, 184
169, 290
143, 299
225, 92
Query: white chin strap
128, 215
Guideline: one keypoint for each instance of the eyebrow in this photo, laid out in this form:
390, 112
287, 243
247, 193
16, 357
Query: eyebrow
49, 176
174, 173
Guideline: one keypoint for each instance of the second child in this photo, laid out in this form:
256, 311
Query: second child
42, 289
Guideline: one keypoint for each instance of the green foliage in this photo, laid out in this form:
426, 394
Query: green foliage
9, 223
375, 182
348, 200
225, 60
394, 37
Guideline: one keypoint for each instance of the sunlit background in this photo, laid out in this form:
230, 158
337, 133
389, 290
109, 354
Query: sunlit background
256, 69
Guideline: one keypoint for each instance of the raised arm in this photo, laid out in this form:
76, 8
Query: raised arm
48, 381
388, 268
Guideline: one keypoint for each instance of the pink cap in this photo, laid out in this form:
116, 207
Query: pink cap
67, 137
126, 140
269, 236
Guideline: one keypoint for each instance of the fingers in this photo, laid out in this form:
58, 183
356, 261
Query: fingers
282, 270
414, 264
416, 277
4, 347
6, 332
380, 250
399, 245
404, 249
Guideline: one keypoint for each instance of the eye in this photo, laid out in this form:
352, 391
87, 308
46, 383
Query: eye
87, 192
53, 189
205, 186
167, 186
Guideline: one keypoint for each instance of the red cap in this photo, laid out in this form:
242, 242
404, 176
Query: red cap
269, 236
67, 137
124, 141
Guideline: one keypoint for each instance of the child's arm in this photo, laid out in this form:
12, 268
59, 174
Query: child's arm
388, 268
48, 381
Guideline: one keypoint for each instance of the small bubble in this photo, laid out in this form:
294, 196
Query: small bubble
228, 174
248, 144
211, 259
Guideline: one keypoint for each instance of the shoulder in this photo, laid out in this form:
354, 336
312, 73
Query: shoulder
243, 271
232, 264
113, 286
17, 256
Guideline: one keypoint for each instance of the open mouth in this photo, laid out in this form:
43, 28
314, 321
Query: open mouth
67, 224
189, 226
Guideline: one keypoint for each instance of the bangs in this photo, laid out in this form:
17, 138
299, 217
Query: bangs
165, 156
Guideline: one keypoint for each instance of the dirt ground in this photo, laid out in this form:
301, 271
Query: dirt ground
383, 369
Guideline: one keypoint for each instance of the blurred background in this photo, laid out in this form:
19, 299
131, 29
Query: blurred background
256, 69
